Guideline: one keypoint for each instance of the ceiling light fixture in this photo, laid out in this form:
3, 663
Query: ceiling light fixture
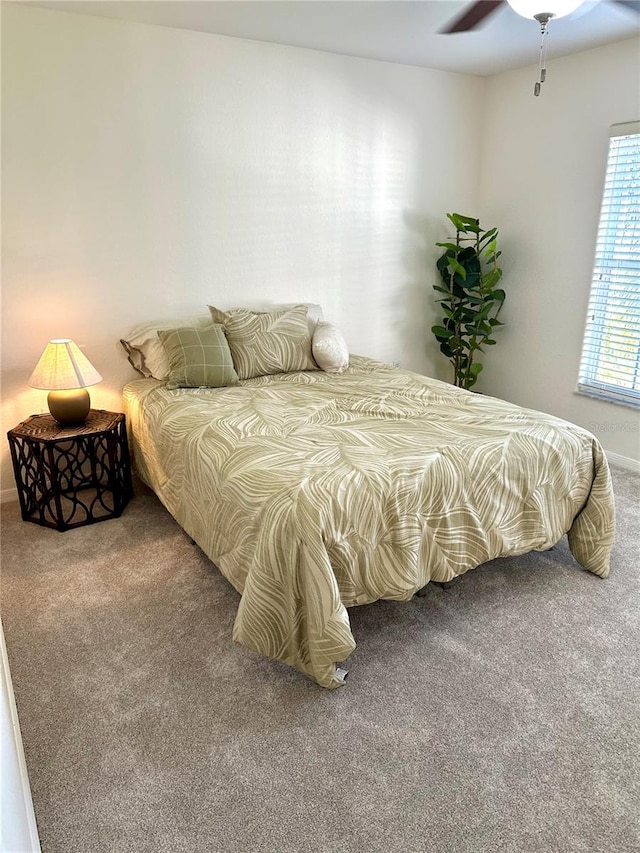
552, 9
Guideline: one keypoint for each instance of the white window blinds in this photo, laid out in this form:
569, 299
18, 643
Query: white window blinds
610, 365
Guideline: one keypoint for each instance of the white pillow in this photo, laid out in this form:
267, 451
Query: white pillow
329, 348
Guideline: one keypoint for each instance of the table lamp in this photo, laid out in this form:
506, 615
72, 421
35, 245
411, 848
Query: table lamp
65, 372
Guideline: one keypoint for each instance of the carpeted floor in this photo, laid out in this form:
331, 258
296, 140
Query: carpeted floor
502, 714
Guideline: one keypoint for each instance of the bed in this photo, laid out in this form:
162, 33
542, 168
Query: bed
314, 491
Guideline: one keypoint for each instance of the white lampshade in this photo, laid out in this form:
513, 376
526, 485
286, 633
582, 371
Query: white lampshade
554, 8
63, 366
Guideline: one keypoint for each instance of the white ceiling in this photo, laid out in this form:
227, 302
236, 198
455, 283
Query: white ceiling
404, 31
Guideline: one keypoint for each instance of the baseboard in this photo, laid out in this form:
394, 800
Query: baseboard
19, 830
8, 495
623, 462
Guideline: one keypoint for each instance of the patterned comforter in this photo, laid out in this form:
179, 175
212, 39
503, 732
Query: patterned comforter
314, 492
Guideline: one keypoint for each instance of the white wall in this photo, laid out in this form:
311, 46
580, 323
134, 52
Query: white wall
543, 172
148, 171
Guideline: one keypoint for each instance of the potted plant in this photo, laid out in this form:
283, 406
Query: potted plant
470, 298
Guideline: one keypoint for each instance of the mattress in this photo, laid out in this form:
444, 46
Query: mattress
315, 492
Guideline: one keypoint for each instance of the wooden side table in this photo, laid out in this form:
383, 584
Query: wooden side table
70, 476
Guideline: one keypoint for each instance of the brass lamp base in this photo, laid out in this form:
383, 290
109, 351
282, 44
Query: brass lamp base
71, 407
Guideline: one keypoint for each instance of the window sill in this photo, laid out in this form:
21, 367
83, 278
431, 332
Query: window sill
608, 397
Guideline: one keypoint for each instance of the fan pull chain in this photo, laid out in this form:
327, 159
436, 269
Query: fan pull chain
542, 64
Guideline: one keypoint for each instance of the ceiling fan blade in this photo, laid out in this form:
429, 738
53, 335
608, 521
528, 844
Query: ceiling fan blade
634, 5
472, 16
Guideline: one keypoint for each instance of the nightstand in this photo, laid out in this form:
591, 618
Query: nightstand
70, 476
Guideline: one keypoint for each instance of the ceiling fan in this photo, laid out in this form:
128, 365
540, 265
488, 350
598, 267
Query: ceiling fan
476, 12
542, 11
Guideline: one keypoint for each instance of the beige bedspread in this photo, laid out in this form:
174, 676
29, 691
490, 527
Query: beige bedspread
315, 492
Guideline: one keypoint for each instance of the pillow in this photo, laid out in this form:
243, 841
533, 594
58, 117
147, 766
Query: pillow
198, 357
146, 353
314, 311
329, 348
144, 348
273, 342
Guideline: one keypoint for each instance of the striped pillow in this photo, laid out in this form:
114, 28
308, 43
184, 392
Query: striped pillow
198, 357
273, 342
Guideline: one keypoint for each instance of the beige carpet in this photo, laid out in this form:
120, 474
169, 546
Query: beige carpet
502, 714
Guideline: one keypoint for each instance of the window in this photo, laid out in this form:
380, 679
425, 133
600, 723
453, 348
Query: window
610, 365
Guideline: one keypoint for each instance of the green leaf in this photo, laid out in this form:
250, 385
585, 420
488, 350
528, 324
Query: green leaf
475, 369
486, 308
499, 295
441, 332
457, 267
468, 223
490, 279
492, 232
